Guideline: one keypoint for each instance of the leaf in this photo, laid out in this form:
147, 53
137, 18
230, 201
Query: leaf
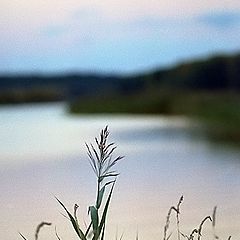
101, 193
100, 197
103, 232
94, 218
103, 220
74, 223
95, 152
108, 175
88, 229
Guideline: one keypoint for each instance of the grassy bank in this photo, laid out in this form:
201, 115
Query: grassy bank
219, 111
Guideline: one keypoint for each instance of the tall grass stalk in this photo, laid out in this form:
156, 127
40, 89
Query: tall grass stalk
102, 162
167, 224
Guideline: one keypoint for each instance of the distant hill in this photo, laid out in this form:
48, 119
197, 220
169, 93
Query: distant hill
215, 73
37, 88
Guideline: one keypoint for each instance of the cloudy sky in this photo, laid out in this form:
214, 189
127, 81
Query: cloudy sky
113, 36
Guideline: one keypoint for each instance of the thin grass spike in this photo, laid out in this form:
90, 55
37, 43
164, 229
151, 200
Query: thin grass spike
177, 216
201, 225
214, 223
42, 224
101, 159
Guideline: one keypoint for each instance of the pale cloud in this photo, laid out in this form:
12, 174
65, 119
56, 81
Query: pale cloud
55, 30
135, 8
221, 20
136, 33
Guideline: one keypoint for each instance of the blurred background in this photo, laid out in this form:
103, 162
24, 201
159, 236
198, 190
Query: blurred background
165, 78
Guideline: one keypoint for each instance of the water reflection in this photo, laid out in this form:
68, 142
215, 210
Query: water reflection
43, 154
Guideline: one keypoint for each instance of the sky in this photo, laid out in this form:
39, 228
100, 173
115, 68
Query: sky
113, 36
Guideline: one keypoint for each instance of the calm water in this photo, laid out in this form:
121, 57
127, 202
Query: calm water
42, 155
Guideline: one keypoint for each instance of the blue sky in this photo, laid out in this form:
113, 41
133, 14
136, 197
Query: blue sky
113, 36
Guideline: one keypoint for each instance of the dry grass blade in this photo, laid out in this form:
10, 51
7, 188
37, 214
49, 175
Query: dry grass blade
137, 235
116, 235
177, 210
194, 231
169, 236
168, 222
42, 224
39, 227
214, 216
214, 222
177, 216
121, 237
201, 225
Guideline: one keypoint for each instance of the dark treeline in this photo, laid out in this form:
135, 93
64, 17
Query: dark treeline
34, 88
215, 73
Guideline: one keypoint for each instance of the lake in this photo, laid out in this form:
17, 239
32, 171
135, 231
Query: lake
43, 154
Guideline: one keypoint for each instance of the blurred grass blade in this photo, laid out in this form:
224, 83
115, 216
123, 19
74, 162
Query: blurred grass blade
22, 236
57, 234
88, 229
214, 216
74, 223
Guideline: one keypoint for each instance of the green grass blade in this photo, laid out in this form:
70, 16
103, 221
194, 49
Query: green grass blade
101, 193
95, 219
74, 223
100, 197
103, 220
103, 232
88, 229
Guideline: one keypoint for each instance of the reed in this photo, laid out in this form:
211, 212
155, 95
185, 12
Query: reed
102, 161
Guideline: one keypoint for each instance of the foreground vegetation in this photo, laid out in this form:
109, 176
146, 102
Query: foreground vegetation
102, 161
